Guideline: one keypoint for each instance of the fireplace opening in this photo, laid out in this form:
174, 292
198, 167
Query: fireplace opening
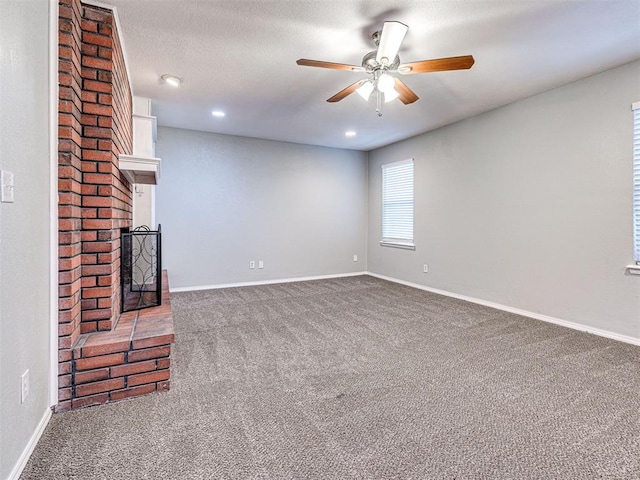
141, 268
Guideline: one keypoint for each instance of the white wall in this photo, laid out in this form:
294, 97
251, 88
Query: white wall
527, 206
223, 201
143, 205
24, 225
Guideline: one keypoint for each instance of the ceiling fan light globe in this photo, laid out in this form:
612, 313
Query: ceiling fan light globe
390, 95
385, 83
365, 90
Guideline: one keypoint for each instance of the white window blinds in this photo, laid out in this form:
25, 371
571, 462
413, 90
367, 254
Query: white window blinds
636, 182
397, 204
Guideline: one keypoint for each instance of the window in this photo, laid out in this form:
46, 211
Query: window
636, 182
397, 204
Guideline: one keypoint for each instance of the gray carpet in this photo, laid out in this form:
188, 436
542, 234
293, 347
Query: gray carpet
358, 378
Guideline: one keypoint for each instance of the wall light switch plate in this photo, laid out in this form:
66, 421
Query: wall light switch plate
355, 258
260, 264
6, 179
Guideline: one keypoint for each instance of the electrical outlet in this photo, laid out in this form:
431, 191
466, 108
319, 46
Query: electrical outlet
355, 258
24, 390
252, 264
260, 264
425, 268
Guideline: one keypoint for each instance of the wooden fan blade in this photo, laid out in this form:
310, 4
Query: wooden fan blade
437, 65
406, 94
345, 92
335, 66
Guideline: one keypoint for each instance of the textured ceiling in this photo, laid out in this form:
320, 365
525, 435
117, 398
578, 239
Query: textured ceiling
240, 56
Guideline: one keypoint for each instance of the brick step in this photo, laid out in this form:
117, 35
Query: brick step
130, 360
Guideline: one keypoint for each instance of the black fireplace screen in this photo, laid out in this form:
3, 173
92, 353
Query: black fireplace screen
141, 267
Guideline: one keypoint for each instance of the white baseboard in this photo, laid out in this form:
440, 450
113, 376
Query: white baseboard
517, 311
28, 449
265, 282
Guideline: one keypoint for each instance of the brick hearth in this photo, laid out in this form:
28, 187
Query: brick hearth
132, 359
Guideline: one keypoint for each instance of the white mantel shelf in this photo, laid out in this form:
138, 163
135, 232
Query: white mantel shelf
140, 169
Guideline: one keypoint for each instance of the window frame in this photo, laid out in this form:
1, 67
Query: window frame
397, 242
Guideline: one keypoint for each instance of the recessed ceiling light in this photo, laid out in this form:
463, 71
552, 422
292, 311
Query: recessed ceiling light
217, 113
350, 133
172, 80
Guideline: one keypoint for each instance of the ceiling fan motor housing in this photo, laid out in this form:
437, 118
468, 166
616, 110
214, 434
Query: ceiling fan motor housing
370, 64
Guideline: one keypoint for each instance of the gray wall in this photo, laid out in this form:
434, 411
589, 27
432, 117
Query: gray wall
528, 206
224, 200
24, 225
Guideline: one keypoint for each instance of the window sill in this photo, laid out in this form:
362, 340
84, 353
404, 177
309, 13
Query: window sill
633, 269
405, 246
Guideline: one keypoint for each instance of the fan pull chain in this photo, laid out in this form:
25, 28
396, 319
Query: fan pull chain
378, 104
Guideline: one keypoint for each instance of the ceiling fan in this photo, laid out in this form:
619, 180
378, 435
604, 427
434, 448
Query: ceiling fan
383, 62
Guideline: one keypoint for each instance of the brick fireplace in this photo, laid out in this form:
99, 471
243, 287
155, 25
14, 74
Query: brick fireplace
97, 362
